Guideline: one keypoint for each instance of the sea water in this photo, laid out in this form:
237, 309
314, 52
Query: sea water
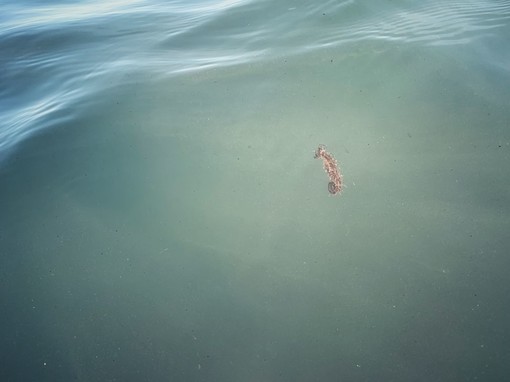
162, 216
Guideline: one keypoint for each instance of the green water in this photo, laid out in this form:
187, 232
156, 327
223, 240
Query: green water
180, 229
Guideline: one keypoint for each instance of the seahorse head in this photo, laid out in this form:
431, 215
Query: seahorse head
320, 150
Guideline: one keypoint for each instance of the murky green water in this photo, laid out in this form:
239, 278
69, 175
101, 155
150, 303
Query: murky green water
175, 226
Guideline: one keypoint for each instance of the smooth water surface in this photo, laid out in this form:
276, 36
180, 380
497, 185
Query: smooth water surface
162, 217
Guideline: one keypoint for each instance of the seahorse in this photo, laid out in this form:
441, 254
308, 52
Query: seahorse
330, 166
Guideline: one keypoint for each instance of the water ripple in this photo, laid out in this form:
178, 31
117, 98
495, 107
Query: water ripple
431, 24
56, 55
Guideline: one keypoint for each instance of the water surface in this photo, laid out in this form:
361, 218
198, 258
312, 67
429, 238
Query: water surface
163, 218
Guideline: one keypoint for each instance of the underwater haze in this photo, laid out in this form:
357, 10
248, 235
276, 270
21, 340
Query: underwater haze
162, 216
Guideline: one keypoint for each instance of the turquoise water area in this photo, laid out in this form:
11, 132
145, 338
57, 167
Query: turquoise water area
162, 217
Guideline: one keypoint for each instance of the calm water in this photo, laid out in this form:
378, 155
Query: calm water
162, 217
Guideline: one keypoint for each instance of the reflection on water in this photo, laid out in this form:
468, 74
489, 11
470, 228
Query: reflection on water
163, 218
72, 51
